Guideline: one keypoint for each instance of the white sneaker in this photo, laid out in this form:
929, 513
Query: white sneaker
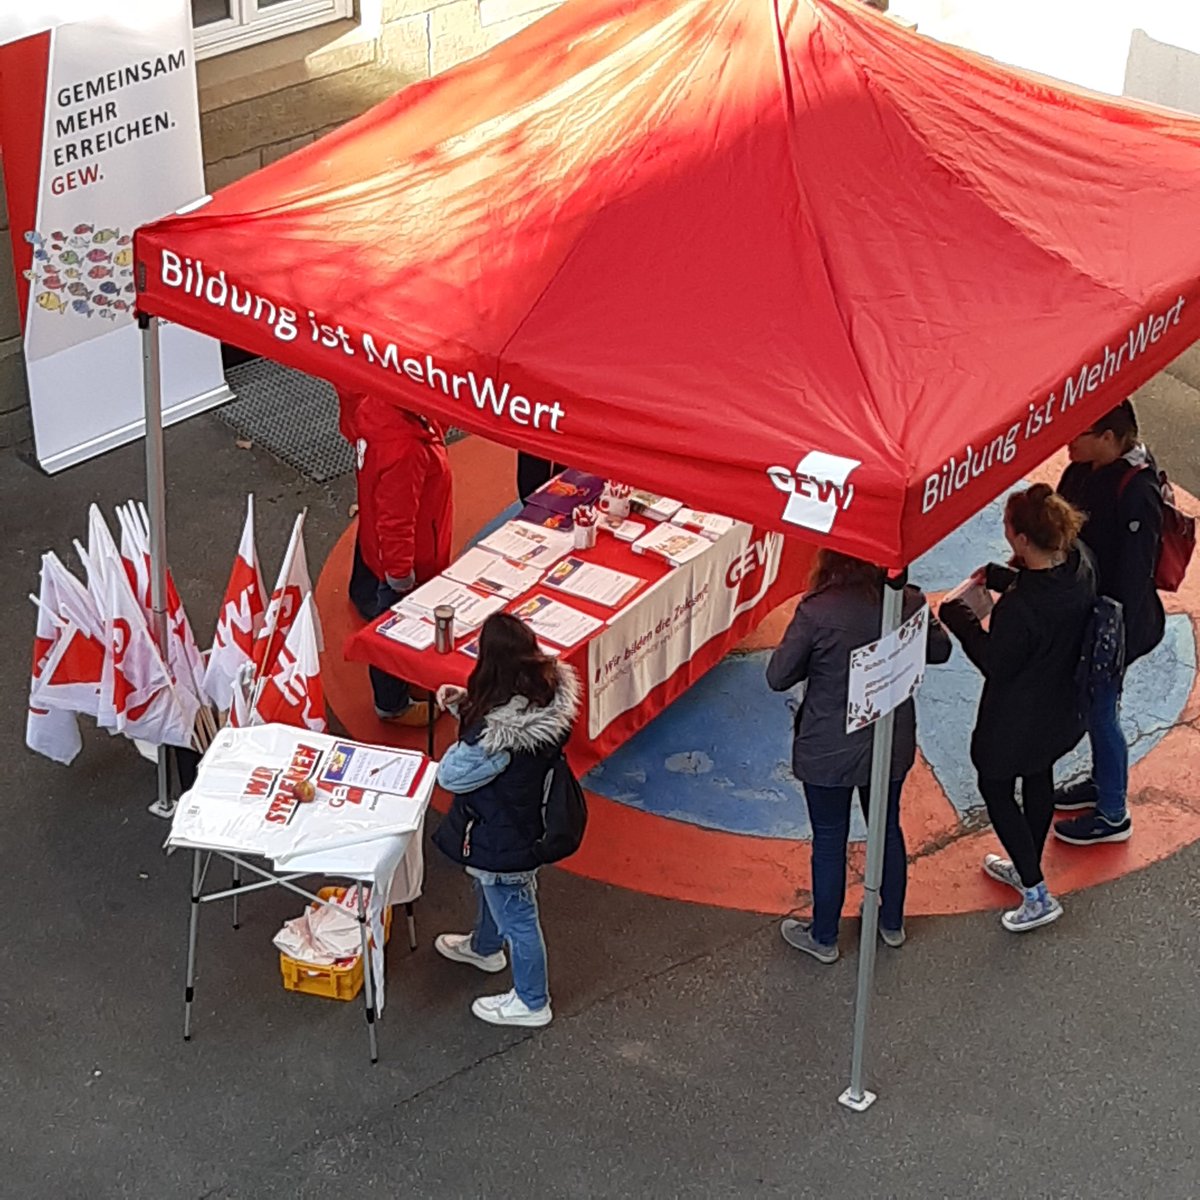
510, 1009
457, 948
1002, 871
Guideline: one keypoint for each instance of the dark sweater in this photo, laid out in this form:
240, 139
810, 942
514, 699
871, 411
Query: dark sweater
1030, 713
826, 626
1123, 534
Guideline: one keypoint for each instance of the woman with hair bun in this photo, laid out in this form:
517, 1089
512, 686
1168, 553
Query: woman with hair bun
1030, 713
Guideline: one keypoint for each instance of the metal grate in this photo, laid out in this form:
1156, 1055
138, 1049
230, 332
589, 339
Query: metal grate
293, 416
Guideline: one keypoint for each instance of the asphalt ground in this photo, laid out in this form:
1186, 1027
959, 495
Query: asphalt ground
692, 1054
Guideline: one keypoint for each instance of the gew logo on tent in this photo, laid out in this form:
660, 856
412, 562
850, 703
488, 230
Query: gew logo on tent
816, 490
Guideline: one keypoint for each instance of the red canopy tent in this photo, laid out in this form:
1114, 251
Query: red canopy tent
781, 258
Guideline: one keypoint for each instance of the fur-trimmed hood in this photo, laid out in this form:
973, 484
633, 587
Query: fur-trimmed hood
516, 727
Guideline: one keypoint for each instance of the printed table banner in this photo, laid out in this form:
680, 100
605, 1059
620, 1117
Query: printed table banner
645, 644
100, 132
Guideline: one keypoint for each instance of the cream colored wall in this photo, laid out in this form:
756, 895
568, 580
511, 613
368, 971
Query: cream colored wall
261, 103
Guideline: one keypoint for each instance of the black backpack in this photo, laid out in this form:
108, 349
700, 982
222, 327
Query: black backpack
1102, 653
564, 814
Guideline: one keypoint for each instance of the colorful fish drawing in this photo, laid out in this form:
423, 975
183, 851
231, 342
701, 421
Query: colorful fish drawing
120, 306
104, 235
100, 299
129, 288
82, 229
53, 282
69, 256
99, 272
51, 302
124, 240
28, 274
124, 258
110, 288
57, 235
79, 289
72, 272
40, 255
97, 256
33, 237
82, 306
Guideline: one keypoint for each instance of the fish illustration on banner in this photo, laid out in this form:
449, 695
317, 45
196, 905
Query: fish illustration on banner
57, 258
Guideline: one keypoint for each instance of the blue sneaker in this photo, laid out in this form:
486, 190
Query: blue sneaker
1092, 828
1075, 797
1038, 908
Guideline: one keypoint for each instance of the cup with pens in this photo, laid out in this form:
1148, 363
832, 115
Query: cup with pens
614, 502
583, 518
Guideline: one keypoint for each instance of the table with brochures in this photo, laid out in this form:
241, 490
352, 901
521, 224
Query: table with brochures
636, 643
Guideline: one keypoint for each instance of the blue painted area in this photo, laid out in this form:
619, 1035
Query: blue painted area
1156, 690
980, 540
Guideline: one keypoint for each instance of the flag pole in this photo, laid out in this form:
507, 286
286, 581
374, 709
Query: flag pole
156, 497
856, 1096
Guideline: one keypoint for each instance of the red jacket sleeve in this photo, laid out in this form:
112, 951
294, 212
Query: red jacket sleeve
398, 486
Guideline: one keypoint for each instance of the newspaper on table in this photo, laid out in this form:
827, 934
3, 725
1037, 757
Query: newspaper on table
244, 798
489, 572
672, 542
590, 581
555, 622
470, 608
407, 630
535, 545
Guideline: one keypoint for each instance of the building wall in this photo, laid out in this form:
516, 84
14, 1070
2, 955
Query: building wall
261, 103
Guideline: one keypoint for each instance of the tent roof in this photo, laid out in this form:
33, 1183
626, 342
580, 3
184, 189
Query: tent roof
778, 258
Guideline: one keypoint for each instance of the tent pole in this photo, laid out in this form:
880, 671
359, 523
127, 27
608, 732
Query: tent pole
856, 1096
156, 487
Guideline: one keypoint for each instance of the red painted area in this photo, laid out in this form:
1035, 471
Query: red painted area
673, 859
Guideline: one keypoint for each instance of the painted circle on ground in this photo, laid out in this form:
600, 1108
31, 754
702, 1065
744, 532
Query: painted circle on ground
702, 806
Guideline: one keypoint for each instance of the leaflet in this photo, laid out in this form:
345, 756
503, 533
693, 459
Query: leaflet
491, 573
536, 545
673, 543
393, 771
408, 631
712, 525
471, 648
589, 581
557, 623
470, 608
658, 508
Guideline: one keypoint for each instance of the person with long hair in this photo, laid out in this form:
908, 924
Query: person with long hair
515, 716
1030, 713
840, 613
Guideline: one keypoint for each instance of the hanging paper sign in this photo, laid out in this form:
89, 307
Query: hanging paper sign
885, 673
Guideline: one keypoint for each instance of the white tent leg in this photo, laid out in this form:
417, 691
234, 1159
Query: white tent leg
855, 1096
156, 496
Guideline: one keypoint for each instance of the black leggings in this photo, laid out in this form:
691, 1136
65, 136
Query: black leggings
1021, 828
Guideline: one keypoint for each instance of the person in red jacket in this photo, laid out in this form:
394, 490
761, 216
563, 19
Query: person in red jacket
405, 521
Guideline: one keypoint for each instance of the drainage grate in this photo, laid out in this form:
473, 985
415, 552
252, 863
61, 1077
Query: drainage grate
293, 416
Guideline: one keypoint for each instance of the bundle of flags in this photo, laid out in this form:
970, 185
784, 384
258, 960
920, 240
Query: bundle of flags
96, 654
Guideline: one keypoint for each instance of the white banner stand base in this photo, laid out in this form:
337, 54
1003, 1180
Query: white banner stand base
162, 808
847, 1100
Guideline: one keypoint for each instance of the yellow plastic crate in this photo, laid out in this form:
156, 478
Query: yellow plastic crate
333, 982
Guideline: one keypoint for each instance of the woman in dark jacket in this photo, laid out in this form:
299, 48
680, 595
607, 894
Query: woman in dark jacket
841, 613
1030, 713
516, 715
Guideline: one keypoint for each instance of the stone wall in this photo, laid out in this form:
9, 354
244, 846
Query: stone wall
261, 103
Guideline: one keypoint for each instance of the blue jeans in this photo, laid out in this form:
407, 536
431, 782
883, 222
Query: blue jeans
1110, 754
506, 911
829, 814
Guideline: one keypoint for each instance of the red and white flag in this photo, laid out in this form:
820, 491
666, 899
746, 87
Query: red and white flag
69, 669
239, 621
290, 590
53, 732
291, 693
137, 693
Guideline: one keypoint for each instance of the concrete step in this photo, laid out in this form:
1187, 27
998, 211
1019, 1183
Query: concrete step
1168, 409
1187, 366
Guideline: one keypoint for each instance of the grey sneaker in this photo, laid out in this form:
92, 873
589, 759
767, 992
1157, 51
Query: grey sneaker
893, 937
1002, 871
457, 948
798, 935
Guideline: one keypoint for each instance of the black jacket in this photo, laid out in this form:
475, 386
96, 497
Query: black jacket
1030, 713
816, 648
1123, 535
495, 827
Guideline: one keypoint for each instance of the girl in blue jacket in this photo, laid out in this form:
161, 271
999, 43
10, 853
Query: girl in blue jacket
515, 717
